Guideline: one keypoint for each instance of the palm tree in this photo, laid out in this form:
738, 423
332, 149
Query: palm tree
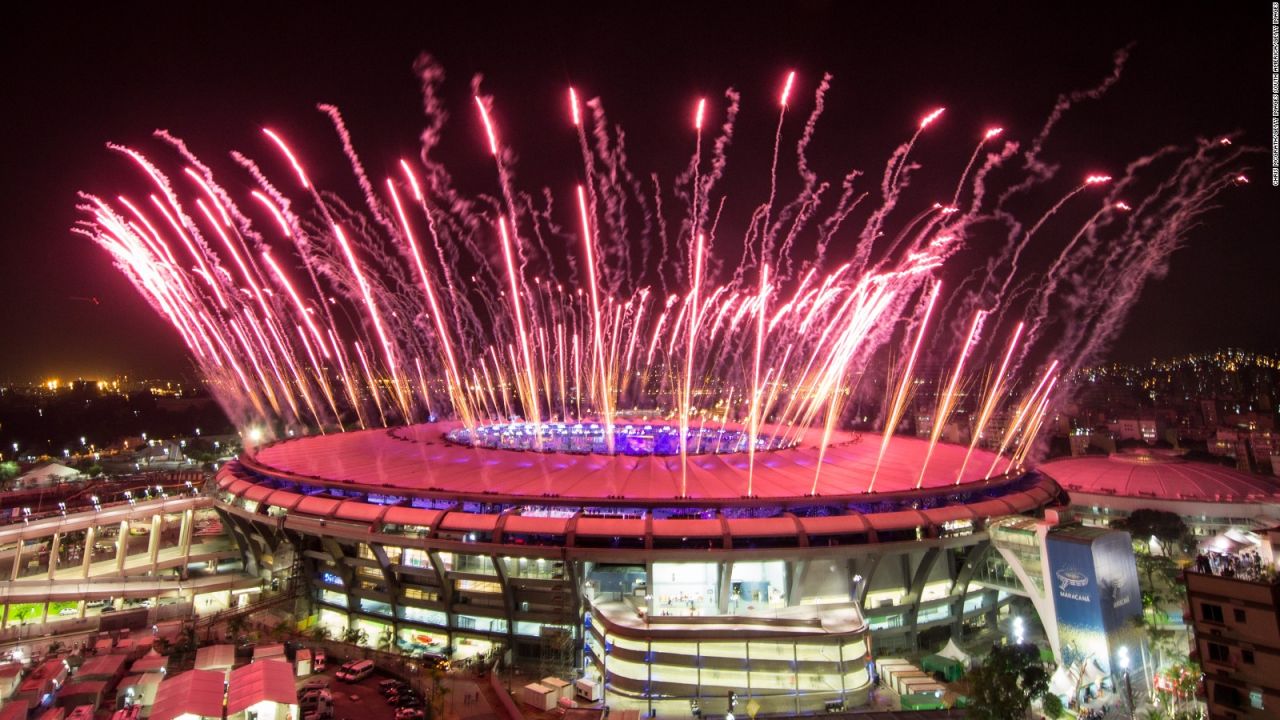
236, 625
355, 636
435, 706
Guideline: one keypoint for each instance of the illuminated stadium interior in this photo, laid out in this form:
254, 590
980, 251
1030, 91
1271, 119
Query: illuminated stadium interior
627, 439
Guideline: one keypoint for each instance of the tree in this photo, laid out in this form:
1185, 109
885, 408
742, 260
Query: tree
1009, 680
320, 632
1166, 527
281, 630
355, 636
236, 625
1052, 705
435, 701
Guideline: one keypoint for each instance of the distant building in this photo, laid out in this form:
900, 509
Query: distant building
1135, 428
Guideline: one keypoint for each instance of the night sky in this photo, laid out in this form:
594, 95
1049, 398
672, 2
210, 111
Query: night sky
77, 78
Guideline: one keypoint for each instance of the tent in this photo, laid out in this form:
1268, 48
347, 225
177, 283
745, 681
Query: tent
264, 689
1224, 543
194, 694
1064, 682
950, 668
1093, 673
46, 474
216, 657
953, 651
923, 701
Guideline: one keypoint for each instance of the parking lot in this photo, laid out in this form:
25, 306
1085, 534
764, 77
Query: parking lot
355, 701
362, 701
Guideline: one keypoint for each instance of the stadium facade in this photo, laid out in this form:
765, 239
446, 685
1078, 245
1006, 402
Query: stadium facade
599, 562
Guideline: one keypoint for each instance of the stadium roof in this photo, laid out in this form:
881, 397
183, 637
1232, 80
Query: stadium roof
418, 458
1160, 477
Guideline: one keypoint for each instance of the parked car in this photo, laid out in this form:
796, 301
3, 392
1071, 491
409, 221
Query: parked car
391, 686
406, 699
410, 713
355, 671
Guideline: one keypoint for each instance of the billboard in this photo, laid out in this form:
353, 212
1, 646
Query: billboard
1093, 581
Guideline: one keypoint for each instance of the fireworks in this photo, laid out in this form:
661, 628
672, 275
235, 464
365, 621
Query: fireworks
305, 313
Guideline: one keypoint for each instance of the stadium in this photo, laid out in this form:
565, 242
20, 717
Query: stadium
433, 540
1211, 499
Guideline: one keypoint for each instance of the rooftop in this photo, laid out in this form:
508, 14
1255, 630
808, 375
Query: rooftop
1165, 478
419, 458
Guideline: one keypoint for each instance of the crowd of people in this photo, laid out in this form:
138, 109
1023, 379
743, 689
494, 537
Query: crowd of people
1245, 565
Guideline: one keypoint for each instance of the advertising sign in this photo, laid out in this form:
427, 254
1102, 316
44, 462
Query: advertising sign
1094, 585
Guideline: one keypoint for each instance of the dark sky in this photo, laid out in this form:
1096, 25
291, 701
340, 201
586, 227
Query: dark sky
77, 77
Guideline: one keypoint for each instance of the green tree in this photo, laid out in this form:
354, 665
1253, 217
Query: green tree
320, 632
281, 630
235, 626
1009, 680
1052, 706
355, 636
1165, 527
435, 700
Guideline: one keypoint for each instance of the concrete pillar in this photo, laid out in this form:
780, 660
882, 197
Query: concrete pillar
122, 546
87, 556
55, 546
184, 536
153, 541
17, 560
725, 573
80, 608
648, 584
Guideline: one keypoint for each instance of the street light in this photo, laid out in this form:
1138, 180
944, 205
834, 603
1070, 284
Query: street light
1128, 686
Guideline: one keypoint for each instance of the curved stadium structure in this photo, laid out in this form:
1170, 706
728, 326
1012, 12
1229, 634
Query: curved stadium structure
594, 560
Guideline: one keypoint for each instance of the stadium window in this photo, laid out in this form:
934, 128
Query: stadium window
1239, 615
1247, 656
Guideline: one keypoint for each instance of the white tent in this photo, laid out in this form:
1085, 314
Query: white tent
954, 652
1093, 673
1223, 543
1064, 682
47, 474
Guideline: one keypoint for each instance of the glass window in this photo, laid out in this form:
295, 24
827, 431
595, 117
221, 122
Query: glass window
423, 615
480, 586
1210, 612
685, 589
1219, 653
414, 557
757, 586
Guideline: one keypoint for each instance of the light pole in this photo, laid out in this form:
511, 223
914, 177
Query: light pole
1128, 686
